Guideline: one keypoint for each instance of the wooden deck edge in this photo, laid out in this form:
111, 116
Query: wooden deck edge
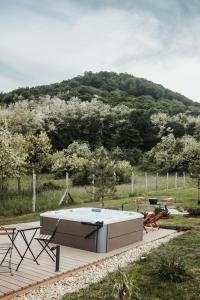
66, 274
48, 281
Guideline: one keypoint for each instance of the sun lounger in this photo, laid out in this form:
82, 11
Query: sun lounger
151, 220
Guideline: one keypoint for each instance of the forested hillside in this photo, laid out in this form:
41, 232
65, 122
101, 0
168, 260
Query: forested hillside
110, 88
128, 120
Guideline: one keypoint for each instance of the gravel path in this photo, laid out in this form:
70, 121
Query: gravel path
94, 273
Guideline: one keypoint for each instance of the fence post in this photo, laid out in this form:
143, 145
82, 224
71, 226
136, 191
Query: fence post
167, 181
146, 182
184, 180
67, 185
34, 191
132, 182
66, 193
93, 188
156, 182
176, 178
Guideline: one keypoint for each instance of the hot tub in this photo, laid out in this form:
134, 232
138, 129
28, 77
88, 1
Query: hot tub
93, 229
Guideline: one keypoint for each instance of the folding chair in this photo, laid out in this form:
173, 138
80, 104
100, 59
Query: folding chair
151, 220
45, 240
7, 247
147, 220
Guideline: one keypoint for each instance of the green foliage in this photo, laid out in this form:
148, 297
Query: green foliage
194, 165
125, 287
58, 163
110, 86
194, 211
79, 161
132, 155
174, 154
170, 266
13, 155
103, 169
38, 148
123, 170
128, 116
81, 178
159, 209
49, 186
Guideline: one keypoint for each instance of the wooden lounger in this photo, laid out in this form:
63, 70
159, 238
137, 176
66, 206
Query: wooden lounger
151, 220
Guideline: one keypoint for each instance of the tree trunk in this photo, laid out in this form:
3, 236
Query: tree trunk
19, 187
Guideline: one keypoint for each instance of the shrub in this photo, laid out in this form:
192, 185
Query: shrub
81, 178
123, 170
49, 186
195, 211
170, 266
159, 209
125, 287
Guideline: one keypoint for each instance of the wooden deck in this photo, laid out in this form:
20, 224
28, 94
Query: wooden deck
30, 274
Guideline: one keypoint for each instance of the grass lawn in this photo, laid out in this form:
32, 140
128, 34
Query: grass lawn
16, 209
151, 286
19, 219
181, 221
50, 191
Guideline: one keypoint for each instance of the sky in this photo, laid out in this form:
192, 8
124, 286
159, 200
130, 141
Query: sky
47, 41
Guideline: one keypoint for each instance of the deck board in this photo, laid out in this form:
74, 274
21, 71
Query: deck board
30, 274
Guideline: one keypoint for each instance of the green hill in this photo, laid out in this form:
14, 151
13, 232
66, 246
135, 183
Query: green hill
110, 88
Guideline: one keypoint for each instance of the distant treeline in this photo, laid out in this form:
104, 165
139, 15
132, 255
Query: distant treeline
112, 88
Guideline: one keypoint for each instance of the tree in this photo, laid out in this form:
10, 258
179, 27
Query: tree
103, 169
13, 156
140, 121
38, 148
127, 137
20, 154
174, 154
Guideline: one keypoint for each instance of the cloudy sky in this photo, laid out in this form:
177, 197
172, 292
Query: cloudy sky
46, 41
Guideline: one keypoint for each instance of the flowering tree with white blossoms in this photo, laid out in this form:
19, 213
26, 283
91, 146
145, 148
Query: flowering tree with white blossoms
13, 156
174, 154
160, 120
38, 149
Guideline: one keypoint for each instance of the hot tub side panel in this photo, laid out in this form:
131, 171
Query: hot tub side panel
70, 233
124, 233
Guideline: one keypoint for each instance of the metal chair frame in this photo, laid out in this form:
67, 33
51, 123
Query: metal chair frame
45, 240
6, 249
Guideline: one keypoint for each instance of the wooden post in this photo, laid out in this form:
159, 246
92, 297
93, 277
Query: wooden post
132, 182
146, 181
34, 191
176, 178
67, 185
184, 180
93, 188
156, 182
167, 181
66, 193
